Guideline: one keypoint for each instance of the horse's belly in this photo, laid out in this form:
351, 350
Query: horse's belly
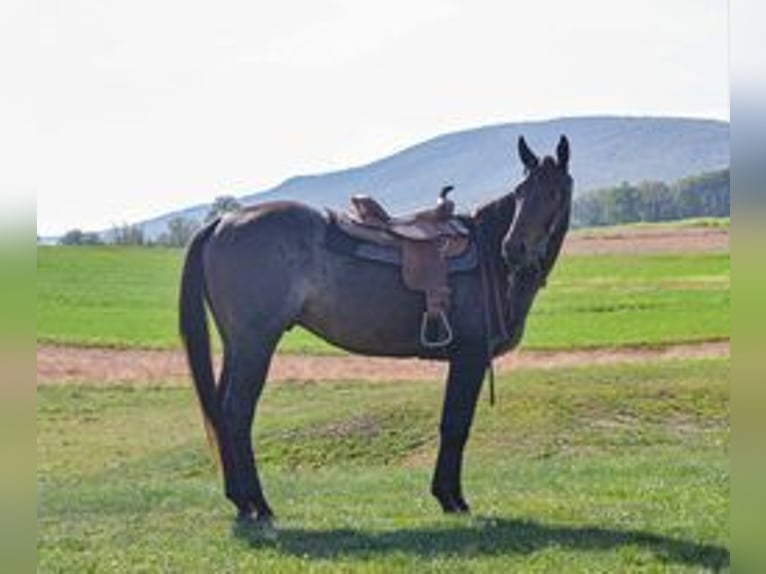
365, 308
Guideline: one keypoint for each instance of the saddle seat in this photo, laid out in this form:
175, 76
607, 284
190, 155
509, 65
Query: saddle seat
424, 225
426, 239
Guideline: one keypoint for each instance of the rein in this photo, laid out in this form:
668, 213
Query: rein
543, 261
492, 306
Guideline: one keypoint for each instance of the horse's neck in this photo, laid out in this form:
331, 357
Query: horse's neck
522, 287
491, 222
494, 219
519, 290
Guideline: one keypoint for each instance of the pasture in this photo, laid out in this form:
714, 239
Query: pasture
125, 297
618, 468
609, 468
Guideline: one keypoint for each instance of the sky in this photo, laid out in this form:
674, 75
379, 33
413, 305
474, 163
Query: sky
142, 107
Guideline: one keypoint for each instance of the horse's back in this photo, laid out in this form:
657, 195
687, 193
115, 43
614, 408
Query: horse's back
276, 218
257, 260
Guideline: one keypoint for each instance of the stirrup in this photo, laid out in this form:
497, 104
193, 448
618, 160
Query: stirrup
435, 344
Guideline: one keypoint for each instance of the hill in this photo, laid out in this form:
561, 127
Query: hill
481, 163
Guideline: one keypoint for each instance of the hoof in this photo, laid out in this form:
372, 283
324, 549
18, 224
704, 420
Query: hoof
462, 505
450, 503
244, 516
255, 530
458, 509
265, 526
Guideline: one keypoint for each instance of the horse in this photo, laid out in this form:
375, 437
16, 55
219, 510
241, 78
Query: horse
267, 268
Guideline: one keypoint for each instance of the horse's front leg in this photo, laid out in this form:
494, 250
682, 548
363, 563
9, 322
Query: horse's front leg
466, 372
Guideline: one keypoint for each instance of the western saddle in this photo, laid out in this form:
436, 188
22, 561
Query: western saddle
426, 239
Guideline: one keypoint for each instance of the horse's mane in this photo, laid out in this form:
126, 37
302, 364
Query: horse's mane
497, 214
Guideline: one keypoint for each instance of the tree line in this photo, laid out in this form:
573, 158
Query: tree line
705, 195
178, 230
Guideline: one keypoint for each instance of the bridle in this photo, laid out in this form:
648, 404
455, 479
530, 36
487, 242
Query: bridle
538, 254
542, 250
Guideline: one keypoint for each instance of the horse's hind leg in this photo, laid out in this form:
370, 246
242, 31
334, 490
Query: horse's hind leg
246, 367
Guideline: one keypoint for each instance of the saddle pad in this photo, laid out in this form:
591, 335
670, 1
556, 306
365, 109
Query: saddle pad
337, 240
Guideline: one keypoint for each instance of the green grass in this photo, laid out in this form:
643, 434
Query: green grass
108, 295
616, 300
607, 469
127, 297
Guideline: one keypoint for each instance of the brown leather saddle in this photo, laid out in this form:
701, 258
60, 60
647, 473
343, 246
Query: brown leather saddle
427, 239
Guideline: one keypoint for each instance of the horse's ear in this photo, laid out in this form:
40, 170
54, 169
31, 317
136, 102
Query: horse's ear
528, 158
562, 152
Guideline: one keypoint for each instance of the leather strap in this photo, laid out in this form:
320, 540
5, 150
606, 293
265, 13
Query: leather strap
487, 300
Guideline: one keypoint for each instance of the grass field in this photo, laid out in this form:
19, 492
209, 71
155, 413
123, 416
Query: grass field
692, 222
608, 469
127, 297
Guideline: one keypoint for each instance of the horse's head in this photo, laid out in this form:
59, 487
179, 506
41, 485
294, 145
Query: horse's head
543, 202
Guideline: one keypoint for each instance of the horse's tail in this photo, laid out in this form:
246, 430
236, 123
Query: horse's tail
195, 335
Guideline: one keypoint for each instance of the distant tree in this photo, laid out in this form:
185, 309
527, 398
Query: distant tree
179, 232
621, 204
654, 202
72, 237
587, 211
705, 195
222, 204
80, 237
127, 234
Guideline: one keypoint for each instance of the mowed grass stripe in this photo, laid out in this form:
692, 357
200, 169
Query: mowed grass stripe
609, 300
128, 297
612, 468
108, 295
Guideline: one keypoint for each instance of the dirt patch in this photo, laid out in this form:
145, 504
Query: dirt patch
57, 364
627, 240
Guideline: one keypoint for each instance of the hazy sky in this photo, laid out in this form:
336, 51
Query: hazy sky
145, 106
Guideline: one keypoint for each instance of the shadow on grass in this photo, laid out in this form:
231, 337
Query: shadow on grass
479, 537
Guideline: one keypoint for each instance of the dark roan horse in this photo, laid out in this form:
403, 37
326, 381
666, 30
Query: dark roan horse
267, 268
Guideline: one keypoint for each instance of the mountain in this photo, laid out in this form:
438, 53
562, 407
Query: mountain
482, 163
